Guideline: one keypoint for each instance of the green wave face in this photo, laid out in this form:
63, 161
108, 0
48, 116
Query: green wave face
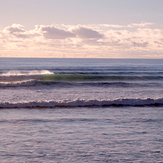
66, 77
71, 77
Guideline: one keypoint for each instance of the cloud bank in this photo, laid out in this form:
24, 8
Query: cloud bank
92, 40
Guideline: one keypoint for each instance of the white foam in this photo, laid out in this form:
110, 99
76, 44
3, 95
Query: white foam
21, 73
16, 76
18, 83
84, 103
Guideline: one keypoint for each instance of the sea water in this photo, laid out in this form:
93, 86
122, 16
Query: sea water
81, 110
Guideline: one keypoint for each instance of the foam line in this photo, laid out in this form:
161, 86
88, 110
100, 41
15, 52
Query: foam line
85, 103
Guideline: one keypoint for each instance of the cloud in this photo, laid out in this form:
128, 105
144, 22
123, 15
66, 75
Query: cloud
140, 24
98, 40
75, 33
86, 33
52, 32
138, 44
16, 30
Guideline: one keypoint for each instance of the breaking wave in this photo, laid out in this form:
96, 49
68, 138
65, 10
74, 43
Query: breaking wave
84, 103
45, 77
18, 83
20, 78
26, 73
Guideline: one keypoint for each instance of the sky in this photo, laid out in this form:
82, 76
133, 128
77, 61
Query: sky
81, 28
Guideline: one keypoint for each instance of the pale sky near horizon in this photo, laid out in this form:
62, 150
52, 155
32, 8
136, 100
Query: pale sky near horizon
81, 28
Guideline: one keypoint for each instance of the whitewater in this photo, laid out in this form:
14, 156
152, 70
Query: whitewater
81, 110
81, 82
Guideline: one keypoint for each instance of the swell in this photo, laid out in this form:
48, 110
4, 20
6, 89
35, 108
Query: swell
65, 84
66, 77
85, 103
98, 84
23, 121
48, 78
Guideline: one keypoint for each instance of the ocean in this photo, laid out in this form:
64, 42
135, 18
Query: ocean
81, 110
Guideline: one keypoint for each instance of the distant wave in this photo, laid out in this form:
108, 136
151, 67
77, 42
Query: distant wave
45, 77
24, 83
66, 77
84, 103
99, 84
17, 76
35, 82
26, 73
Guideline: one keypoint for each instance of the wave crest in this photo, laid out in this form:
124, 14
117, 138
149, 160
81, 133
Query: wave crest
18, 83
84, 103
17, 76
27, 73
